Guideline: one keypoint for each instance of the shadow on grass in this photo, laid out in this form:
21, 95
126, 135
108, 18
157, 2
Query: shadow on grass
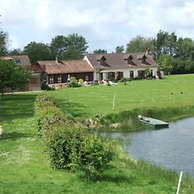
16, 106
75, 109
15, 135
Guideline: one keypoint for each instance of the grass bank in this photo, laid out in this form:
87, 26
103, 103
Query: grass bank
169, 99
25, 167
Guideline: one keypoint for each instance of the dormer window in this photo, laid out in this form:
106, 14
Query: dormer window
129, 60
102, 60
18, 61
143, 60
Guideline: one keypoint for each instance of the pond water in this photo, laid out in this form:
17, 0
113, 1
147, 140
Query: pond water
172, 147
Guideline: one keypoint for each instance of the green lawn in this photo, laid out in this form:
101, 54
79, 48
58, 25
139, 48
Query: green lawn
85, 102
25, 168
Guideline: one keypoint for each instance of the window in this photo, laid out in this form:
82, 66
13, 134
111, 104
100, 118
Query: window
59, 80
102, 62
18, 61
51, 79
131, 73
143, 60
86, 78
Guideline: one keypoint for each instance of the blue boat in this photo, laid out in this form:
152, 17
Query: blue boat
154, 122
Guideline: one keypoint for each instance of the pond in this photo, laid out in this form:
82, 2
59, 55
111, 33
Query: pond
172, 147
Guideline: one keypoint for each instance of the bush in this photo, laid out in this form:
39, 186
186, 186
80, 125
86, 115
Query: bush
44, 101
46, 112
95, 157
123, 79
69, 146
72, 148
81, 81
95, 83
48, 115
73, 82
63, 145
46, 87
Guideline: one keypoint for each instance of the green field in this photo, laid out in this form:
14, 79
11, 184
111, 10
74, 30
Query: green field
25, 167
84, 102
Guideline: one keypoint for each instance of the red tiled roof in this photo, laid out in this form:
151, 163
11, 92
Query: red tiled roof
20, 59
69, 66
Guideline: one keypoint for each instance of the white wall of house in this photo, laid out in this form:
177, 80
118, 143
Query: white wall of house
126, 72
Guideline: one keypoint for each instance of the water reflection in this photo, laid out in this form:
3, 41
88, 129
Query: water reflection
171, 147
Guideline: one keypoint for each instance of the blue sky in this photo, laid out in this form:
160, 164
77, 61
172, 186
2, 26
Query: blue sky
105, 24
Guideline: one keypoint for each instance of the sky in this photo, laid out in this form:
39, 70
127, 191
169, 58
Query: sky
105, 24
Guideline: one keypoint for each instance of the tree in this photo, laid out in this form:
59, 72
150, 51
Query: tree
119, 49
73, 46
15, 52
185, 48
12, 75
166, 63
165, 44
100, 51
58, 46
3, 43
37, 51
139, 44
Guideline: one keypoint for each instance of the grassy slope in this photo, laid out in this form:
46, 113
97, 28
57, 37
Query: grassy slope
87, 101
23, 164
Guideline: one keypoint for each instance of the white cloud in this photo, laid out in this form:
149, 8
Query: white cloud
104, 23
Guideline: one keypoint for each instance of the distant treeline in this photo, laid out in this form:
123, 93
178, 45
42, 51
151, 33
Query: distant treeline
175, 55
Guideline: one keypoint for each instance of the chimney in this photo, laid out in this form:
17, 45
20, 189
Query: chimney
43, 67
147, 51
57, 60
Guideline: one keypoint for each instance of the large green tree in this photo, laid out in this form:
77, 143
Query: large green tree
37, 51
73, 46
58, 46
12, 75
139, 44
165, 44
76, 46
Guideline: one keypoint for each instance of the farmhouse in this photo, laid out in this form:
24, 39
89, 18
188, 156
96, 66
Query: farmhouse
56, 73
99, 67
59, 71
117, 66
35, 83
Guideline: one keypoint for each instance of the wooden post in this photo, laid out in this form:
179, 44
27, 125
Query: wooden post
113, 102
179, 184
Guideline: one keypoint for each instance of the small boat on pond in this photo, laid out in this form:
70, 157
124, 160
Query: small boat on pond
154, 122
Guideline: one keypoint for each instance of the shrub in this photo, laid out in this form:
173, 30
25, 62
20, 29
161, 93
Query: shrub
81, 81
72, 148
44, 101
95, 156
46, 112
95, 83
123, 79
48, 115
63, 145
69, 146
73, 82
46, 87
